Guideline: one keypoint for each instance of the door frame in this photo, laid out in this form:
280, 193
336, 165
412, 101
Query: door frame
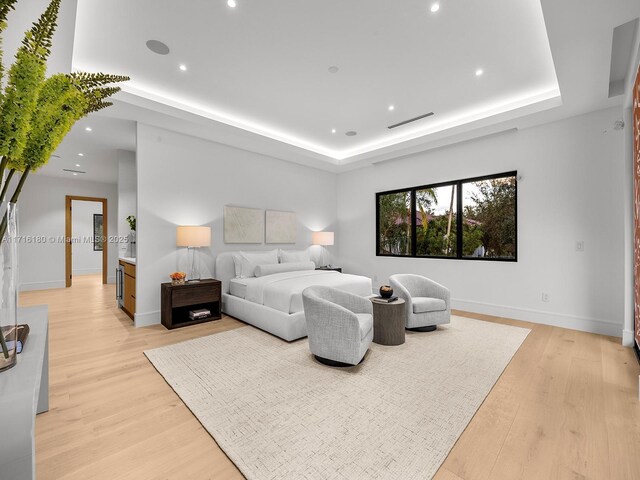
68, 233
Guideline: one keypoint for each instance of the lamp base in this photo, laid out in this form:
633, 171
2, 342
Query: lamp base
193, 275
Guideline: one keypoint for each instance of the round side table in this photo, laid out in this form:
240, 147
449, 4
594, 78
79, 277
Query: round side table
389, 321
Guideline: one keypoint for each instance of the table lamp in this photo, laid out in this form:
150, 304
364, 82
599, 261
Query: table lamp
323, 239
193, 238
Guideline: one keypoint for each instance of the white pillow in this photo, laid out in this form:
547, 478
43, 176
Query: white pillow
246, 262
294, 256
270, 269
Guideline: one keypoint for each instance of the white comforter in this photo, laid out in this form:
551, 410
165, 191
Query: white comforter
283, 291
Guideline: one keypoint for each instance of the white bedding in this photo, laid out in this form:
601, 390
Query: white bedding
238, 286
283, 291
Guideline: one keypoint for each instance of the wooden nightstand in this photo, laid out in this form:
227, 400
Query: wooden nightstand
335, 269
179, 300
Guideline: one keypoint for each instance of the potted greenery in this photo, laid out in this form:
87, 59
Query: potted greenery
131, 220
36, 113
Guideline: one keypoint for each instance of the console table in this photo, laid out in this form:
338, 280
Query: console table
24, 392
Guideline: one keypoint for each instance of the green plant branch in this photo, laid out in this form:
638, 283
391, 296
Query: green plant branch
5, 187
37, 112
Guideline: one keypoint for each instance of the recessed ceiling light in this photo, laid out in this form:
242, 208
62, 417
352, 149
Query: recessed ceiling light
77, 164
333, 130
75, 174
89, 129
156, 46
479, 72
183, 68
232, 3
333, 69
435, 7
81, 154
391, 108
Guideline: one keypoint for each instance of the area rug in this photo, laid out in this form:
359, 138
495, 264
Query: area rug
278, 414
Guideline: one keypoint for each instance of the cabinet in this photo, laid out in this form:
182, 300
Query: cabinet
129, 288
179, 300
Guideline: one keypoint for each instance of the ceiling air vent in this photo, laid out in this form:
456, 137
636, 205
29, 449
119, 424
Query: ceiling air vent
72, 171
411, 120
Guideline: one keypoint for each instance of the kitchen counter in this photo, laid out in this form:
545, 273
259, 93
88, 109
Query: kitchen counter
130, 260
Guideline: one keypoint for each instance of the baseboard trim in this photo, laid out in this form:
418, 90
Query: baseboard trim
584, 324
28, 287
147, 319
628, 339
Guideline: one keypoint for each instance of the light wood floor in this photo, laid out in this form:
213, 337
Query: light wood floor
566, 407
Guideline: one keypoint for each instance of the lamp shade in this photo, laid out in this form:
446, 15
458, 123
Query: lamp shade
190, 236
322, 238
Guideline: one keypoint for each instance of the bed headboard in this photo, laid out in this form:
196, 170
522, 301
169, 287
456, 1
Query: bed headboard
225, 269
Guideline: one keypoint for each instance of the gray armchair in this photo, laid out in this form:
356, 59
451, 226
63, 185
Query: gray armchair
428, 304
339, 325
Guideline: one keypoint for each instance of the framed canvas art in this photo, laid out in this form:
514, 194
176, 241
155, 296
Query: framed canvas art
243, 225
98, 237
282, 227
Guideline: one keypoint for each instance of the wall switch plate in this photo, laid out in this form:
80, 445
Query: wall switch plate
545, 297
580, 246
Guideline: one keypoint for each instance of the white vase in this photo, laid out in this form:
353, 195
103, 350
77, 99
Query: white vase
8, 284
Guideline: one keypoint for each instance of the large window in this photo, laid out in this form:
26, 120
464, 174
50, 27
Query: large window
472, 219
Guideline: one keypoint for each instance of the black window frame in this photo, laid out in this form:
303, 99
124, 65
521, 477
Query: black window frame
459, 218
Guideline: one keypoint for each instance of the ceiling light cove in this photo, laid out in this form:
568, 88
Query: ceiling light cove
244, 86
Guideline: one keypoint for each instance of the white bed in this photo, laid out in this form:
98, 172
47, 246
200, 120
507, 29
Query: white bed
274, 302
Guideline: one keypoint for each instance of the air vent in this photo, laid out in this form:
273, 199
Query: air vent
410, 120
72, 171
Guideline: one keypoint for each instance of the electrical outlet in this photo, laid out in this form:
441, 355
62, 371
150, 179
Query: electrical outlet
545, 297
580, 246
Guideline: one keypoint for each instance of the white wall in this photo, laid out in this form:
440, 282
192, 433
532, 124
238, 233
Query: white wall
41, 213
85, 260
127, 202
183, 180
572, 182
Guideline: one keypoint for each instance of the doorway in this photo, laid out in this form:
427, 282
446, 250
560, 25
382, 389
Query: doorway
86, 235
